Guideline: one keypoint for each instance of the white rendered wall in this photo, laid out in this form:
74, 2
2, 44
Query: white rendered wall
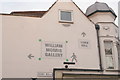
102, 17
110, 34
0, 47
108, 29
21, 37
119, 27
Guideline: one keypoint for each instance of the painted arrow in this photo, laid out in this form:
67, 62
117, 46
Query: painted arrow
30, 56
83, 34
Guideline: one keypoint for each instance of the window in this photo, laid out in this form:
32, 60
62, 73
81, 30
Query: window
109, 54
118, 50
65, 16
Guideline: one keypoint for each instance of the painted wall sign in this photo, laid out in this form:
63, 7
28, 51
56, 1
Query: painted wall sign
84, 44
30, 56
74, 57
53, 50
83, 34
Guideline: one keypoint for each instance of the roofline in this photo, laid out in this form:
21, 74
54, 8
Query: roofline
74, 4
25, 11
82, 12
50, 8
30, 11
109, 22
18, 16
102, 11
4, 14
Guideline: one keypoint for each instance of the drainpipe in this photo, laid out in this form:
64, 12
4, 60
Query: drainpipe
97, 27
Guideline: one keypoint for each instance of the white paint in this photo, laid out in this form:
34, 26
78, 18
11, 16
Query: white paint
102, 17
119, 17
0, 47
21, 35
106, 20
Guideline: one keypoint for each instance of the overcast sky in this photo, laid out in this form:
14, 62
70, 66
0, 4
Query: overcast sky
7, 6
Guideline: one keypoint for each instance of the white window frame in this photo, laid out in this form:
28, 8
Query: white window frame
112, 55
66, 20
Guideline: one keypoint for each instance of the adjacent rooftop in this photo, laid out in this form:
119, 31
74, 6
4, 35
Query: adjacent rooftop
99, 7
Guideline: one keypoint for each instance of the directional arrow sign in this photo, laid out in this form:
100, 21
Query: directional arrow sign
83, 34
30, 56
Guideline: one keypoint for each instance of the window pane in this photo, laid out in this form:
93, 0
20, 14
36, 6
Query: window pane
66, 16
109, 62
108, 47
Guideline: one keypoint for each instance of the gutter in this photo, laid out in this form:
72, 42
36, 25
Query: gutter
97, 27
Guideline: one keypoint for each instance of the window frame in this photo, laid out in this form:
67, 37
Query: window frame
65, 21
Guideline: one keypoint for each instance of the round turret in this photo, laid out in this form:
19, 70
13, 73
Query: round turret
99, 7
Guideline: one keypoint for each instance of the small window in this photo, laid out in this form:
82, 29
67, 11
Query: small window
65, 16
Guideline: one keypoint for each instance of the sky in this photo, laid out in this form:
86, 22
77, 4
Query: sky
7, 6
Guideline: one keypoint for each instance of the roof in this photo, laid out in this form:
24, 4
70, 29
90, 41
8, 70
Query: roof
99, 7
38, 14
29, 13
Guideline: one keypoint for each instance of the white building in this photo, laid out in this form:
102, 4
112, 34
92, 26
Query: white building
119, 14
119, 28
38, 44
